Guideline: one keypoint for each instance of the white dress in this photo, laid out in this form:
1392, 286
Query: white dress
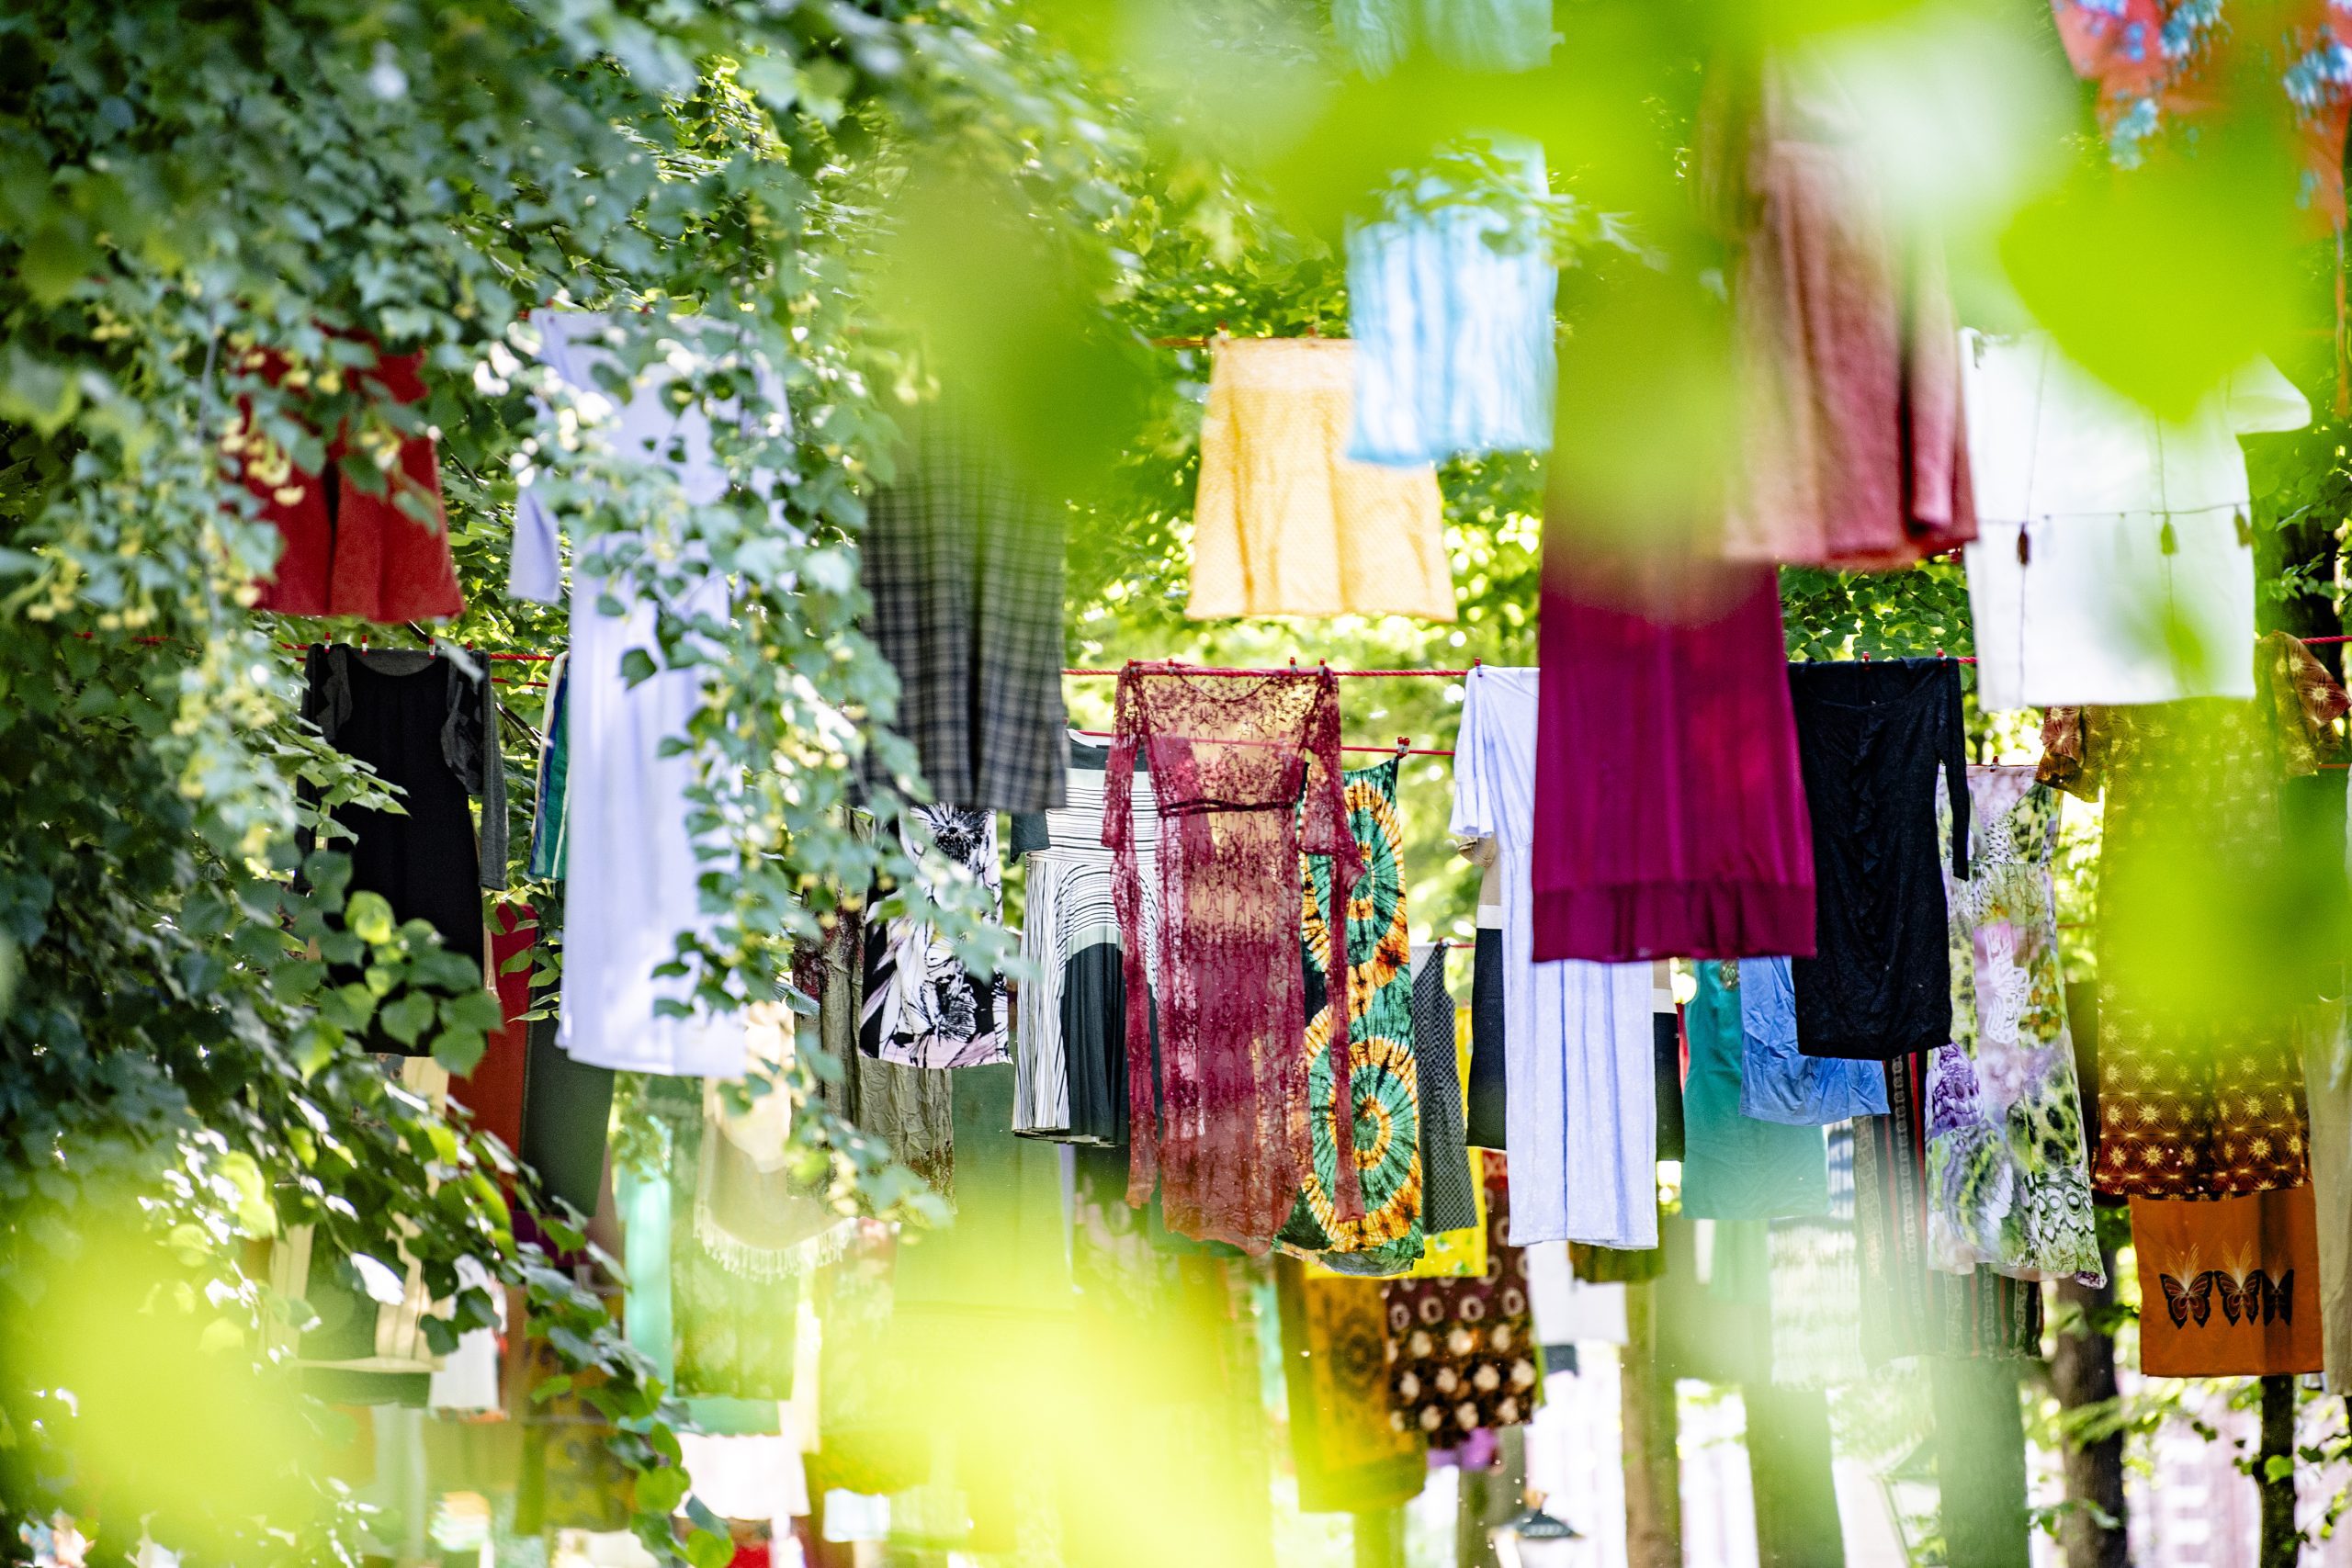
2134, 582
631, 868
1581, 1105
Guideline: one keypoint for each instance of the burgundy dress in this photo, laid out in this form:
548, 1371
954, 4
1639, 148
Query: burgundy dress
1669, 814
1247, 772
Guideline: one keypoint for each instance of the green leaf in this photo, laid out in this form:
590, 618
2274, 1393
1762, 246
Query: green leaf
56, 258
661, 1491
369, 916
405, 1018
637, 666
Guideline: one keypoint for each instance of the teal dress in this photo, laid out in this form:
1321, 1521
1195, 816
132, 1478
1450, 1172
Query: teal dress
1734, 1167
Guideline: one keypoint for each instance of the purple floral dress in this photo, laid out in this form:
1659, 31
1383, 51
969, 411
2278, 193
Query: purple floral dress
2009, 1185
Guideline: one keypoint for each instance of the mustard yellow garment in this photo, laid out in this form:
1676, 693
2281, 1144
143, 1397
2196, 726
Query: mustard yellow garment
1284, 525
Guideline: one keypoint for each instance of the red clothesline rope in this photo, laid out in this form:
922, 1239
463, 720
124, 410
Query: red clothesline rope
1382, 750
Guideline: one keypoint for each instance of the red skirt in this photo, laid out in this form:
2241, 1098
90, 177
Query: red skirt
383, 556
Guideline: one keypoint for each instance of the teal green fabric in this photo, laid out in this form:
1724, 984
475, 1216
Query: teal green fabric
1734, 1167
644, 1203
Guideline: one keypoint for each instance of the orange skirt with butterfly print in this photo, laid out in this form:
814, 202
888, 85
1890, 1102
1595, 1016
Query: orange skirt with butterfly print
2230, 1287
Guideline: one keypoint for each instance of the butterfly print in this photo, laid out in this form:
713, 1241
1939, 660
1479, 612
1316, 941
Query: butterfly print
2196, 1297
2253, 1296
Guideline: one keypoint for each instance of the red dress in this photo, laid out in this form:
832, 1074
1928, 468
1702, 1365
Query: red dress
1669, 812
384, 557
1246, 773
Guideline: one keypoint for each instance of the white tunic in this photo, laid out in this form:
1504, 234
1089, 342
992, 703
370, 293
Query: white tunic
2137, 581
631, 869
1581, 1095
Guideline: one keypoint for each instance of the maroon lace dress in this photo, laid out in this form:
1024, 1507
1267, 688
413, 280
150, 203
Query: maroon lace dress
1248, 775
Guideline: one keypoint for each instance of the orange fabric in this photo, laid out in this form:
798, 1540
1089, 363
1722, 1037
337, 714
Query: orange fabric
2228, 1287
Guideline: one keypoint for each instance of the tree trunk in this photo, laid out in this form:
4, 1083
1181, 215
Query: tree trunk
1653, 1464
1788, 1462
2281, 1544
1488, 1497
2083, 1372
1980, 1462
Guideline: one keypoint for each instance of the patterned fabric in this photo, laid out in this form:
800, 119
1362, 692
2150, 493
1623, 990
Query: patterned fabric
2199, 1092
966, 571
1382, 1079
2160, 63
1816, 1286
1070, 1034
2229, 1289
1908, 1308
923, 1008
1247, 776
1449, 1190
1462, 1353
1351, 1456
2008, 1179
1284, 524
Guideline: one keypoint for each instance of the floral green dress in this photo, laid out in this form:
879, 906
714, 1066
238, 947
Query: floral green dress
2009, 1185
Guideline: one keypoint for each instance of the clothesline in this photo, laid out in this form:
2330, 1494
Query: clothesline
1382, 750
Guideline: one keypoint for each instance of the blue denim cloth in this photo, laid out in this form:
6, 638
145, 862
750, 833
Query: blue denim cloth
1453, 334
1777, 1083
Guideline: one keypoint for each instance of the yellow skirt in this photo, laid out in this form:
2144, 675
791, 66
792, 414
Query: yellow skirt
1284, 525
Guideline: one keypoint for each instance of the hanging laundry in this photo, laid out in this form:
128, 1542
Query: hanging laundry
1247, 777
1072, 1032
1285, 523
733, 1305
1462, 1353
1665, 1063
2230, 1287
1735, 1167
923, 1006
2008, 1181
567, 1111
1909, 1307
1874, 738
494, 1091
1373, 953
1349, 1456
633, 866
965, 566
2116, 561
2327, 1086
1670, 821
2199, 1092
1377, 36
1579, 1053
379, 553
1854, 452
1489, 1093
2164, 67
1817, 1283
909, 1109
550, 797
429, 729
1449, 1190
1777, 1081
1450, 304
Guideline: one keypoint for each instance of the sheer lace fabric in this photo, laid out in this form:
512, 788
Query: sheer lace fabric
1248, 776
